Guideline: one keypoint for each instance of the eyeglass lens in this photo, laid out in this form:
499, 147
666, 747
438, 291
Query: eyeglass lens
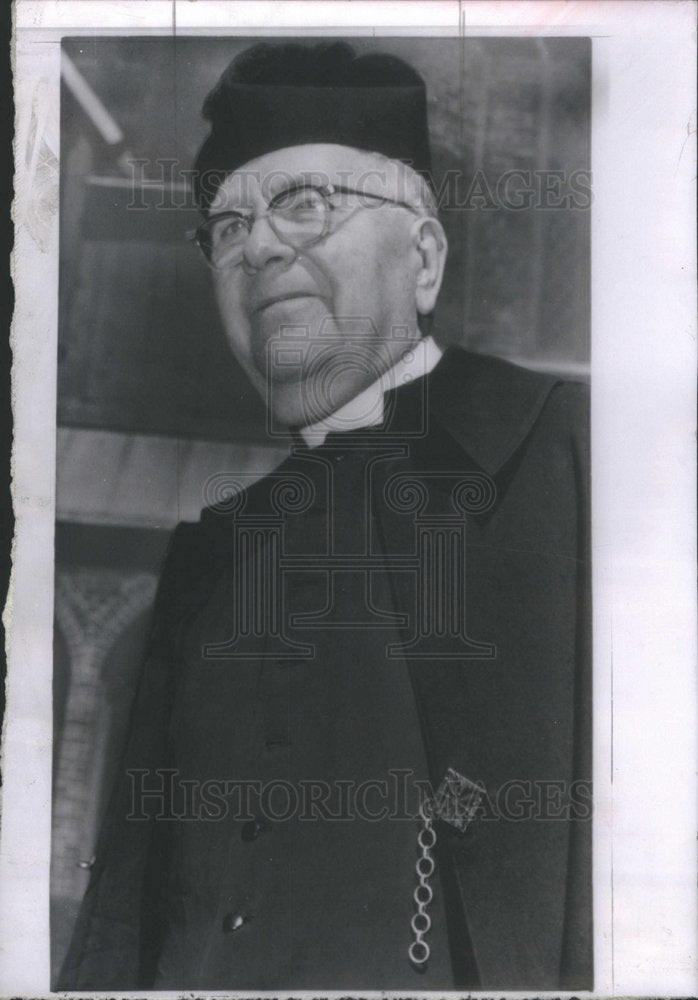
298, 217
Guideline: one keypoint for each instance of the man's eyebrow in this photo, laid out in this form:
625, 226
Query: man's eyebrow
278, 184
287, 182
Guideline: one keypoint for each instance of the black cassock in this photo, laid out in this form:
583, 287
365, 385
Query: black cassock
393, 604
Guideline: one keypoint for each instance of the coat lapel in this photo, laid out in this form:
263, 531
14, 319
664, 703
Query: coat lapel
504, 720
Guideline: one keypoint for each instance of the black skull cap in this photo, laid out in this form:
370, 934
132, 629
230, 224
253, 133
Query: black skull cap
274, 96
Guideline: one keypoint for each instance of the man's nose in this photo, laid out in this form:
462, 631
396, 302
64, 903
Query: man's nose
263, 246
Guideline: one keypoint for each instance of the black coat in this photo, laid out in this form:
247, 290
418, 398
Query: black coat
512, 713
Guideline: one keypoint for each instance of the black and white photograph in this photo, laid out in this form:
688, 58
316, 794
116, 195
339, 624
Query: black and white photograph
335, 689
358, 752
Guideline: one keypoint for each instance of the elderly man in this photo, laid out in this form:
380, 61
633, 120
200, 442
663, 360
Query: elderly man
359, 749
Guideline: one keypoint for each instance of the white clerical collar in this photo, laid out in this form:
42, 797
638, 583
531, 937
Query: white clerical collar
366, 409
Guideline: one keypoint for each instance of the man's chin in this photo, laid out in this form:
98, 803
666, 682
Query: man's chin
305, 402
290, 406
287, 327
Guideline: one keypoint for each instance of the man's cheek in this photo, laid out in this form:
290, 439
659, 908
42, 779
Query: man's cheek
228, 295
238, 333
353, 288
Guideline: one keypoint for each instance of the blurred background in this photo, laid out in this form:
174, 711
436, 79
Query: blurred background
151, 403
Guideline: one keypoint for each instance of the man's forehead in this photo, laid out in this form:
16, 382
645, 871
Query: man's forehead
317, 164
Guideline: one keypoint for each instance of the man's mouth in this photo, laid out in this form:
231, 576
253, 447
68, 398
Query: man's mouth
272, 300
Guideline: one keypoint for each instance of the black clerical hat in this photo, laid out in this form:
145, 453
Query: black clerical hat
274, 96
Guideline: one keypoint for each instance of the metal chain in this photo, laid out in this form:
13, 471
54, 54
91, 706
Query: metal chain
419, 950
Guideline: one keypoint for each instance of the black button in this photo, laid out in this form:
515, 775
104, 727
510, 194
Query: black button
251, 830
232, 922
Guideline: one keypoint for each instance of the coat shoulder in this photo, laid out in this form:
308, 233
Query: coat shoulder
567, 416
492, 407
187, 576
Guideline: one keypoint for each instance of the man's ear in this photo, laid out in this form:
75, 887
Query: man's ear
429, 240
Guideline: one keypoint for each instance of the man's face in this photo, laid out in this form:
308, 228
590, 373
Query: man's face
313, 327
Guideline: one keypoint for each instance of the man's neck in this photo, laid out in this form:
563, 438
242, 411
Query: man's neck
366, 408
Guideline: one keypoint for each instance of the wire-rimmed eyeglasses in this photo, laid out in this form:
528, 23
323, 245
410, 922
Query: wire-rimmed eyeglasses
299, 216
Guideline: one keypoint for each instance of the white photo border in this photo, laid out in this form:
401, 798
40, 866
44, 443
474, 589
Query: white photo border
643, 421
